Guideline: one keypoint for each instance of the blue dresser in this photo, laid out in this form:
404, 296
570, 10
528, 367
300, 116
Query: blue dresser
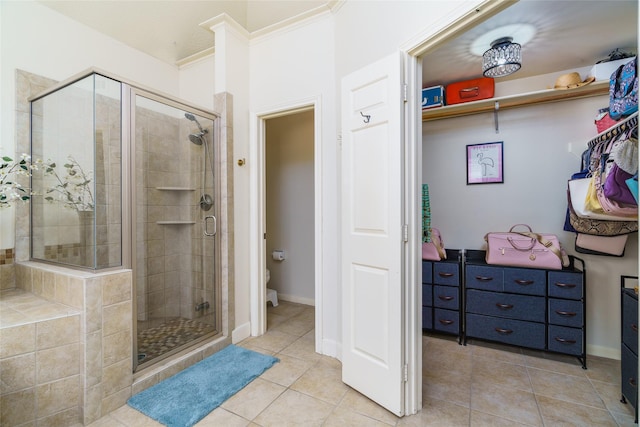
442, 294
629, 346
526, 307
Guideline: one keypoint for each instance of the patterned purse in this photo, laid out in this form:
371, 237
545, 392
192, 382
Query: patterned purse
623, 90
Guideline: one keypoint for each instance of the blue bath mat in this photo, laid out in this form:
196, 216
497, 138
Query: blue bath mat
187, 397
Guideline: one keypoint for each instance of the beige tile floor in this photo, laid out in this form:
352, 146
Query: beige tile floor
478, 384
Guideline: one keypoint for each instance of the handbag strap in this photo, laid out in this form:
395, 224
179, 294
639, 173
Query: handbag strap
547, 244
437, 242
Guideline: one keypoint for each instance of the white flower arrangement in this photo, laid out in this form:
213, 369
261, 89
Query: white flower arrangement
73, 190
12, 191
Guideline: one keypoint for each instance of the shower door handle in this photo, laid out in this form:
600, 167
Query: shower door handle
206, 225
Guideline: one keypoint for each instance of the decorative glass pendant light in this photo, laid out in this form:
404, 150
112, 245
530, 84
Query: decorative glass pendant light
502, 59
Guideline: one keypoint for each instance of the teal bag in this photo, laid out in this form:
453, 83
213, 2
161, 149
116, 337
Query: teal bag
632, 183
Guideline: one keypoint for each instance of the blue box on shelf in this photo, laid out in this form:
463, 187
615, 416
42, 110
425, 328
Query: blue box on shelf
433, 97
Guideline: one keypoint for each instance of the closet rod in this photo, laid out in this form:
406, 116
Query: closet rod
627, 123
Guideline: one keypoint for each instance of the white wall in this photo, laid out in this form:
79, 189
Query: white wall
542, 147
290, 205
196, 82
308, 61
38, 40
369, 30
296, 66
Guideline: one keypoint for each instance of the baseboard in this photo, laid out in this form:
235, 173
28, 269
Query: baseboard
241, 332
296, 299
600, 351
332, 348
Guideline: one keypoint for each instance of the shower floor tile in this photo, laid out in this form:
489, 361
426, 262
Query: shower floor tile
172, 334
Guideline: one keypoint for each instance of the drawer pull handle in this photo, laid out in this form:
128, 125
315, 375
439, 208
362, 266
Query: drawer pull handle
634, 327
445, 274
564, 340
565, 285
484, 279
524, 282
633, 383
445, 297
504, 306
504, 331
566, 313
445, 321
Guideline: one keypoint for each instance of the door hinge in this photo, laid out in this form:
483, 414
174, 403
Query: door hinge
405, 233
405, 373
404, 92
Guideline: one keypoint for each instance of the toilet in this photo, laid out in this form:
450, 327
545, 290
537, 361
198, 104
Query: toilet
272, 295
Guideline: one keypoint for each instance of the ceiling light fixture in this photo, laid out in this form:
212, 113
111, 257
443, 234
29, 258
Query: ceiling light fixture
504, 58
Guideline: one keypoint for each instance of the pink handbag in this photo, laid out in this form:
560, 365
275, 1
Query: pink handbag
434, 250
601, 245
525, 249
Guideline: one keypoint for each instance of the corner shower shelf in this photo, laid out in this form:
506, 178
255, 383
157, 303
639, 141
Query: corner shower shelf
521, 100
175, 222
175, 189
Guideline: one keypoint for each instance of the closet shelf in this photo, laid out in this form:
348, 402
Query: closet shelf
175, 189
513, 101
175, 222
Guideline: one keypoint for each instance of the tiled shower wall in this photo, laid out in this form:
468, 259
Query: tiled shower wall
7, 269
27, 85
169, 175
81, 362
67, 235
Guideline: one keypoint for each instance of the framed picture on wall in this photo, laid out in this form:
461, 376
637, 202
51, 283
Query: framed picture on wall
485, 163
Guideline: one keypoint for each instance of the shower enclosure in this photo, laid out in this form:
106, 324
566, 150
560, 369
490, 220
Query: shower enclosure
125, 177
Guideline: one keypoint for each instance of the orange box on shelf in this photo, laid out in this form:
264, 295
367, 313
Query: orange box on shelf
470, 90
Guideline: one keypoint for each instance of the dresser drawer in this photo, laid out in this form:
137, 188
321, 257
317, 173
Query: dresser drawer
629, 376
427, 294
630, 322
565, 312
446, 320
525, 281
484, 277
516, 332
564, 284
446, 297
427, 318
565, 340
523, 307
427, 276
446, 273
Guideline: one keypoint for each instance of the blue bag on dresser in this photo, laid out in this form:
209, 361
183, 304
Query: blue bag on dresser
623, 90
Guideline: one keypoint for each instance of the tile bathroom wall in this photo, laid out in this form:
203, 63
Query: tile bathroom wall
40, 366
103, 336
7, 269
27, 85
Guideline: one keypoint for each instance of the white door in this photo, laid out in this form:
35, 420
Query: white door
372, 236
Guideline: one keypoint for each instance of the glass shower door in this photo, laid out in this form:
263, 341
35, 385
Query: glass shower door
174, 227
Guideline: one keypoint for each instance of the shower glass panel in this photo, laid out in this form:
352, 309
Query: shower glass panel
76, 216
174, 223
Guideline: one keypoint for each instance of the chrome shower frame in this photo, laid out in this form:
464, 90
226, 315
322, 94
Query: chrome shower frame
173, 102
129, 91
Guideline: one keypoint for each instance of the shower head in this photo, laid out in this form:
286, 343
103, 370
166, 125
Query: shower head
191, 117
197, 138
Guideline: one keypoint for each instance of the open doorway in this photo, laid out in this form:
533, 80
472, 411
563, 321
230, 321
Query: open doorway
289, 219
285, 215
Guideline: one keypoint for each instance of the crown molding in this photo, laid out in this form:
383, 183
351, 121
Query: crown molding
304, 18
191, 59
297, 20
212, 23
